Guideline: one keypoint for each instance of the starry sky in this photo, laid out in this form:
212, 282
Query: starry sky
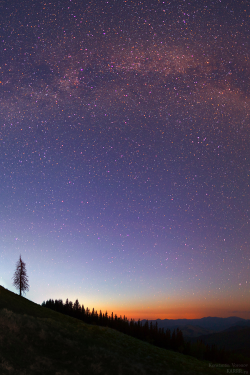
125, 154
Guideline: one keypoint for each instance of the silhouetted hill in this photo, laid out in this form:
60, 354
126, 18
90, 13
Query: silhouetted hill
236, 338
236, 328
194, 331
208, 323
36, 340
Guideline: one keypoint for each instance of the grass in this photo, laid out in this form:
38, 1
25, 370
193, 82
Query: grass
36, 340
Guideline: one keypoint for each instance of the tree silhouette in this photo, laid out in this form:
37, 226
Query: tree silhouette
20, 278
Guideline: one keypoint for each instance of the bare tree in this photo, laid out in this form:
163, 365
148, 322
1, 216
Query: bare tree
20, 278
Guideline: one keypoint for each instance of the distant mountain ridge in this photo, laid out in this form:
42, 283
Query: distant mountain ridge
211, 324
231, 333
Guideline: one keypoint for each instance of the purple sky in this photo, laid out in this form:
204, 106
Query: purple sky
125, 156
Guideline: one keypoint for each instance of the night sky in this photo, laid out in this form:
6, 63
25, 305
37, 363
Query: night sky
125, 154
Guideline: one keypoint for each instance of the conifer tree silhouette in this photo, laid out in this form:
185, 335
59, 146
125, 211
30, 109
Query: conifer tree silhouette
20, 278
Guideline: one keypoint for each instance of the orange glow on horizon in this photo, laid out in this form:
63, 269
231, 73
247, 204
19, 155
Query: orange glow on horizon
193, 307
153, 315
176, 312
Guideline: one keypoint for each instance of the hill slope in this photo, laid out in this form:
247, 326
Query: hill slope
36, 340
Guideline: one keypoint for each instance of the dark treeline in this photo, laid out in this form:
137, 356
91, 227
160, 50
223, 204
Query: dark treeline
147, 332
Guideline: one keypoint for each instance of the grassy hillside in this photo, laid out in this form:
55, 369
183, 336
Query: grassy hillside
36, 340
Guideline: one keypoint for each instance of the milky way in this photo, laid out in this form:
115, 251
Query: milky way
125, 154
